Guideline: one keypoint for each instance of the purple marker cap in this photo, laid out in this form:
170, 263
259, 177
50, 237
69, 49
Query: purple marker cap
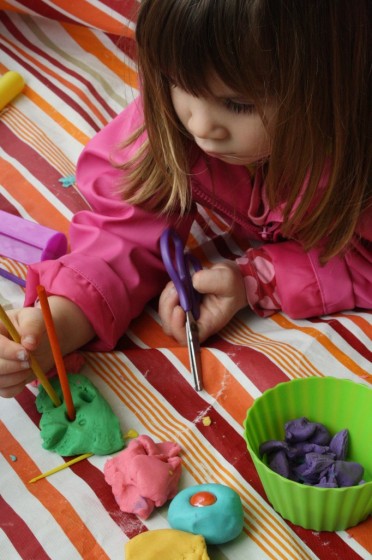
29, 242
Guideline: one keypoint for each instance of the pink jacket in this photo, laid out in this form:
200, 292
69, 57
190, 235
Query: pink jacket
114, 267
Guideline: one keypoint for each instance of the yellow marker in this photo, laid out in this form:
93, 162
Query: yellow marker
11, 84
61, 467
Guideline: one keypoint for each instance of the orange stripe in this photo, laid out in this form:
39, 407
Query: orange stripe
97, 18
362, 533
57, 505
148, 330
89, 42
220, 383
326, 342
29, 197
4, 5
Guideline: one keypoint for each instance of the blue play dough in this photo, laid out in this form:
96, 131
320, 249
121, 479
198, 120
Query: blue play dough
218, 523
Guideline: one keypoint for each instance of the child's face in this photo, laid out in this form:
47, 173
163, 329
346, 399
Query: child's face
225, 125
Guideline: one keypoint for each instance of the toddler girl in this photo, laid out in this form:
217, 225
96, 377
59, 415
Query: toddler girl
258, 109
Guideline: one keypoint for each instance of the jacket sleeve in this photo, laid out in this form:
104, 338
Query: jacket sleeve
305, 288
114, 267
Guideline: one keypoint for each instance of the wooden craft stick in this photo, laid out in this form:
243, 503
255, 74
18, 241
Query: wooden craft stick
33, 362
61, 467
57, 354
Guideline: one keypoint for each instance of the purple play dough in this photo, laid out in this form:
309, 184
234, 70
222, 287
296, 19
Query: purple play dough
310, 455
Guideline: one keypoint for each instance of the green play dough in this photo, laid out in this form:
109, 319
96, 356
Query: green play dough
95, 429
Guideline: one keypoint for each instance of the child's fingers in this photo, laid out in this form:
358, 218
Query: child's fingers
12, 351
31, 327
216, 280
167, 302
12, 385
171, 314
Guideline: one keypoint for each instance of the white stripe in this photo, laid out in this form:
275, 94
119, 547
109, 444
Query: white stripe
35, 515
33, 136
7, 550
44, 191
354, 545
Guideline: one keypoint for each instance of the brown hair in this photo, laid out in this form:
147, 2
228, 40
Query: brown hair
310, 56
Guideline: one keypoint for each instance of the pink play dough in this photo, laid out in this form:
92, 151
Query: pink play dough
144, 475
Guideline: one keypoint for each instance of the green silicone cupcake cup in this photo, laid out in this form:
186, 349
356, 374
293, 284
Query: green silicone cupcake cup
338, 404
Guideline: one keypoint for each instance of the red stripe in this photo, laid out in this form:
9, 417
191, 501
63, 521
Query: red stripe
126, 44
258, 368
129, 523
38, 6
26, 400
126, 8
21, 537
347, 335
325, 544
218, 241
39, 168
55, 64
6, 205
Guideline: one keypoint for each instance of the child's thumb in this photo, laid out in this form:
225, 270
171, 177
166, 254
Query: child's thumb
31, 327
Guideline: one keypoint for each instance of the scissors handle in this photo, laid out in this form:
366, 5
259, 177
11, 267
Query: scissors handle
178, 265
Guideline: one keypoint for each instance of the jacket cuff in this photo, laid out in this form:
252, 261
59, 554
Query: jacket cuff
259, 278
306, 288
57, 278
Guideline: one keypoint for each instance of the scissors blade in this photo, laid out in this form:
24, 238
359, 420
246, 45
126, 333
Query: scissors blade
193, 345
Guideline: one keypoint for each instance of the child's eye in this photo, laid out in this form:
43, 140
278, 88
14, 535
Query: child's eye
236, 107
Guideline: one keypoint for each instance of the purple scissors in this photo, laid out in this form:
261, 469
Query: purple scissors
178, 265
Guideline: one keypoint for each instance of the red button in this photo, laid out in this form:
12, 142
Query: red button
202, 499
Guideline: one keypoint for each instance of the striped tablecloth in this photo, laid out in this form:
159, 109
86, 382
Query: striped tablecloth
80, 74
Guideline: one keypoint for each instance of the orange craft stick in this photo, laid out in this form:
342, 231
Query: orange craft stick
38, 372
57, 354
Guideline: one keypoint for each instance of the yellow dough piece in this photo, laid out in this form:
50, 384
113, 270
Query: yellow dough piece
166, 544
11, 84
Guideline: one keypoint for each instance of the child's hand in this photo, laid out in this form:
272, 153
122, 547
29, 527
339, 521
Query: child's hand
73, 331
224, 295
15, 369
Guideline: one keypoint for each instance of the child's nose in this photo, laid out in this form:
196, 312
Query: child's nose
204, 123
